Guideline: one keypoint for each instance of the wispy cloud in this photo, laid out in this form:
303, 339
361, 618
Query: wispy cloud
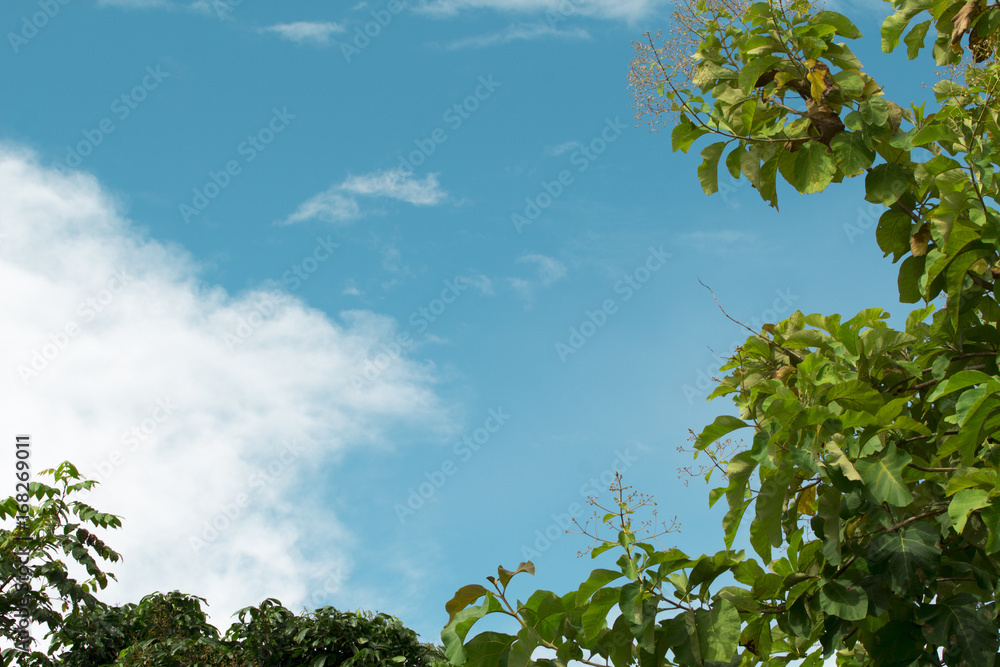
305, 32
550, 270
514, 33
553, 151
396, 184
629, 10
328, 206
338, 204
134, 4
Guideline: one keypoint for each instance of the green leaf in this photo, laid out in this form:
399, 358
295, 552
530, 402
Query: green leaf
594, 617
465, 596
915, 40
909, 556
853, 154
962, 380
883, 477
892, 27
708, 170
723, 425
844, 600
809, 169
597, 579
885, 183
964, 503
934, 132
684, 134
874, 110
968, 635
487, 648
751, 72
766, 526
910, 273
843, 25
718, 631
856, 395
505, 575
839, 459
453, 635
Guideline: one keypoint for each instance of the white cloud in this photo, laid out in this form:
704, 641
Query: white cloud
396, 184
549, 269
305, 32
555, 151
629, 10
334, 206
329, 206
138, 384
133, 4
481, 283
517, 32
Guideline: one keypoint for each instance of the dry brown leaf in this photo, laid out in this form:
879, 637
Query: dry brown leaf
962, 22
920, 240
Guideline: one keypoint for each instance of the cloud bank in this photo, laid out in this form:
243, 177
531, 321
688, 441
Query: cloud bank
200, 411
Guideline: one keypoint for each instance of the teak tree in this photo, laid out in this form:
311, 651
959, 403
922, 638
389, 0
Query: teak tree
871, 471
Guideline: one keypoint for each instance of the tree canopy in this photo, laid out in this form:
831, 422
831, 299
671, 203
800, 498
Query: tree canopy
870, 472
163, 629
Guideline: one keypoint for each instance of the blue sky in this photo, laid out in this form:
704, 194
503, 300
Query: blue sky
267, 271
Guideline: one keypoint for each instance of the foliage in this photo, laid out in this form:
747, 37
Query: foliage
871, 476
55, 532
172, 630
162, 630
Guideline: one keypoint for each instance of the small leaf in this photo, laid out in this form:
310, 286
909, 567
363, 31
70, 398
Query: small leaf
708, 170
964, 503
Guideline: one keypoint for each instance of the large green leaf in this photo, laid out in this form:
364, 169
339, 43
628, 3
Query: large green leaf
718, 631
885, 183
853, 154
597, 579
909, 556
883, 476
708, 170
856, 395
967, 633
595, 615
964, 503
453, 635
847, 601
809, 169
842, 24
487, 649
723, 425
